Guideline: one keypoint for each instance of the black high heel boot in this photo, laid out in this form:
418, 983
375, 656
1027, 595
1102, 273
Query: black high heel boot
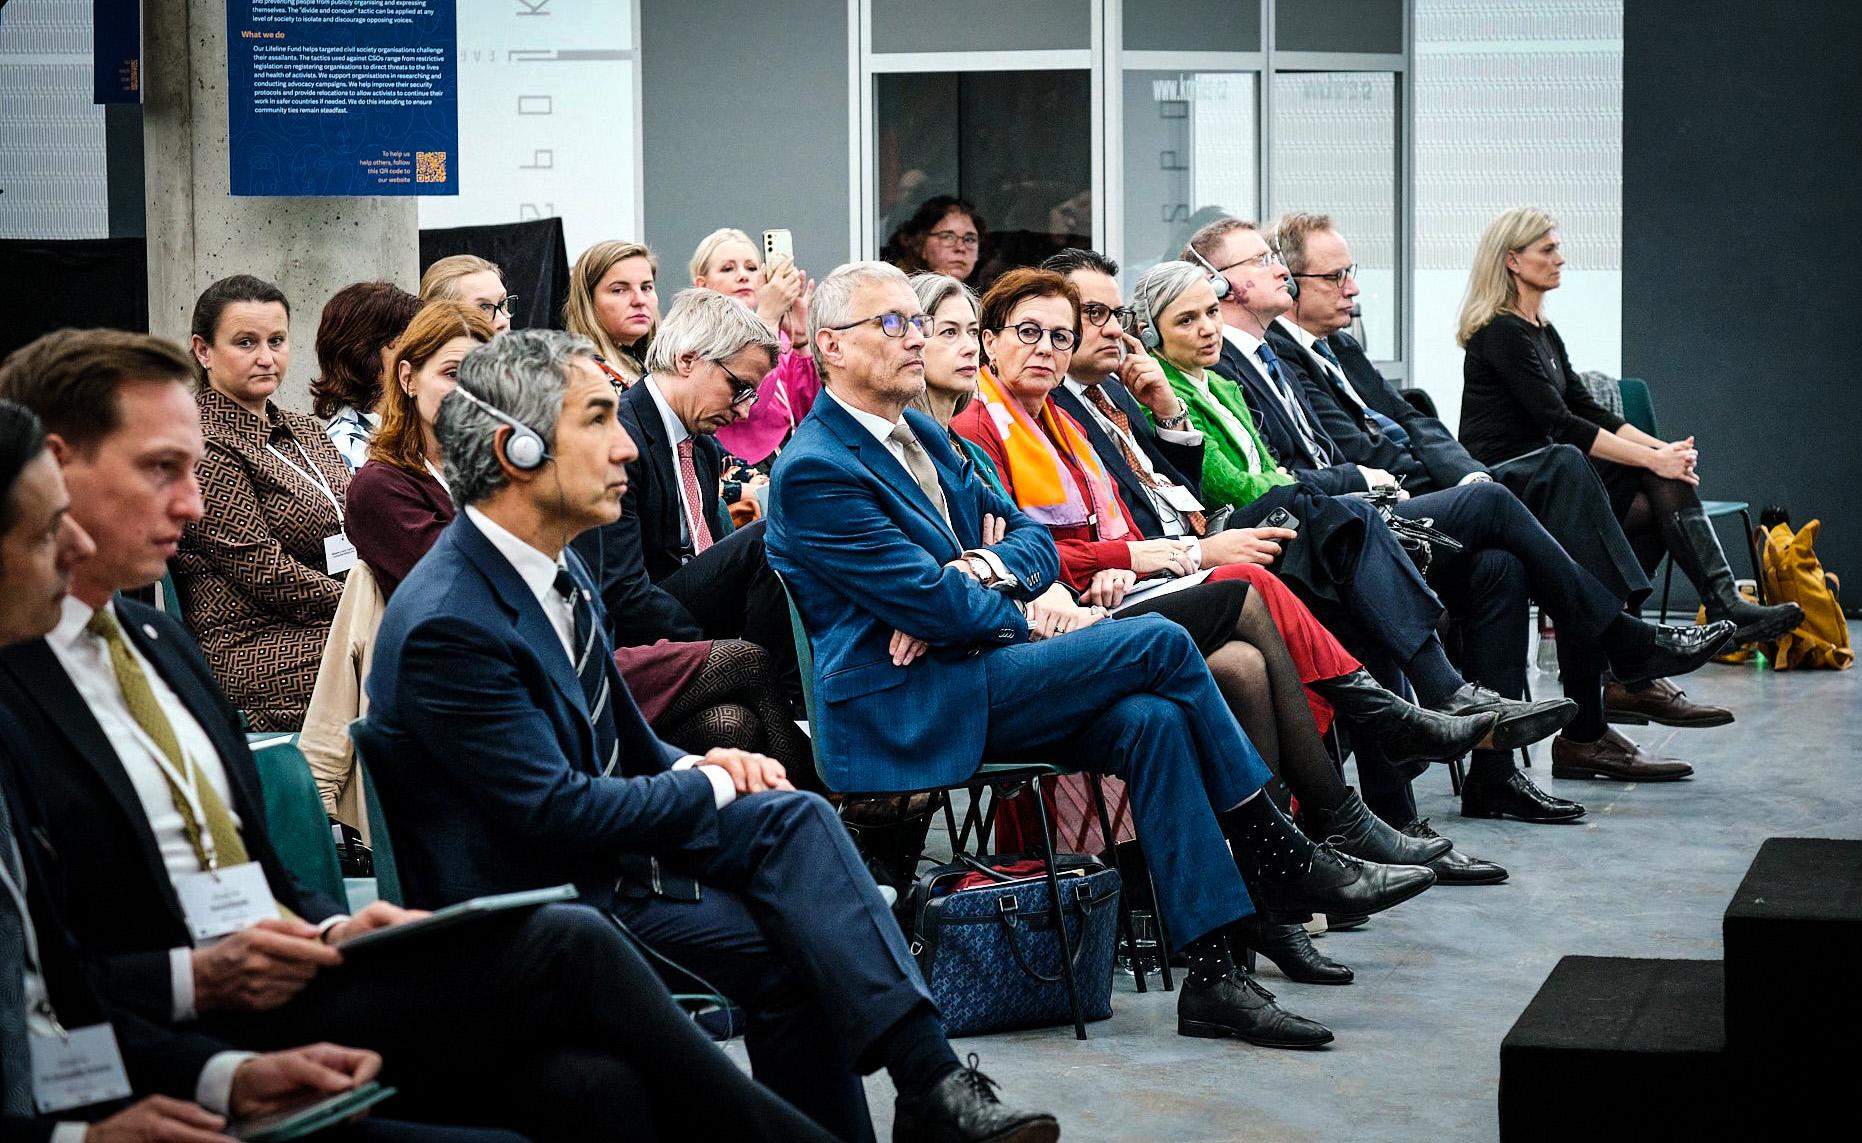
1289, 948
1407, 732
1696, 548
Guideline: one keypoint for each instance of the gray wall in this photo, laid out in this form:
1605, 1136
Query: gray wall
1742, 139
744, 123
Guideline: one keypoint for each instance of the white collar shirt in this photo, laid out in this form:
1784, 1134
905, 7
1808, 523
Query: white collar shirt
1307, 340
1172, 520
879, 426
676, 435
538, 571
1250, 347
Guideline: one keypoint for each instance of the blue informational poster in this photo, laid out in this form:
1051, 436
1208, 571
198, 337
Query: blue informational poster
342, 97
116, 51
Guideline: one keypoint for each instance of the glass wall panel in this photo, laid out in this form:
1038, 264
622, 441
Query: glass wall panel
1334, 137
1338, 26
1190, 156
1017, 145
1192, 25
981, 25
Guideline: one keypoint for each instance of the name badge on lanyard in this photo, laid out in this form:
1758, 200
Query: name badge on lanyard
219, 899
339, 555
76, 1068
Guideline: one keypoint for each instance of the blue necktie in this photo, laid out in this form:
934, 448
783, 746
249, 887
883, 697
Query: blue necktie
1271, 362
1390, 428
15, 1048
591, 660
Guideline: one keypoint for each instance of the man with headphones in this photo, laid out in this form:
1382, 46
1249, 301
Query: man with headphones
509, 755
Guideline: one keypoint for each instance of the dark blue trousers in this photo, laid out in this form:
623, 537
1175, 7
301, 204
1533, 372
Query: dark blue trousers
1135, 699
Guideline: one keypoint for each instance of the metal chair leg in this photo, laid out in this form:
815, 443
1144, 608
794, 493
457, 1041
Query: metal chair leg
1127, 931
1668, 581
1163, 931
1455, 776
1060, 920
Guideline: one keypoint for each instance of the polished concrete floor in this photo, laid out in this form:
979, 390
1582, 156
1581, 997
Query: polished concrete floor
1441, 978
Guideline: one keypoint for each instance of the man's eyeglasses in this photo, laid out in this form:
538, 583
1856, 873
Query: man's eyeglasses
1097, 313
1029, 333
504, 307
1338, 278
1260, 261
892, 323
742, 392
952, 238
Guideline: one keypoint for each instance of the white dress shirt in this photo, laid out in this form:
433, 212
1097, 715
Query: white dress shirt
1250, 346
1307, 340
676, 434
1167, 514
538, 571
86, 660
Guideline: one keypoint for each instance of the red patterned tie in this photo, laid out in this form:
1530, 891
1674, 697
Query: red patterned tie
1096, 396
694, 512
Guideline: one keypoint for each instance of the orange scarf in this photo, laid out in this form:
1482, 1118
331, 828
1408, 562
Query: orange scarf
1042, 486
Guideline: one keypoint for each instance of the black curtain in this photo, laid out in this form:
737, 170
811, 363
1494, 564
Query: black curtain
85, 283
532, 255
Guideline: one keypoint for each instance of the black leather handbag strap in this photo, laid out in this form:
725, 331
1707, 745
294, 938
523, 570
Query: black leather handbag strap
1008, 912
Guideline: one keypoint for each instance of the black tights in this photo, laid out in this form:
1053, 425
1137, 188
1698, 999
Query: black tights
1254, 666
1657, 500
734, 703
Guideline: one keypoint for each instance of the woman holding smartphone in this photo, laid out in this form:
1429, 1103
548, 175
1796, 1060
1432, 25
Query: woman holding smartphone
727, 261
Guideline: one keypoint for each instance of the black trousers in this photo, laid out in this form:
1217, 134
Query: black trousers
1559, 486
547, 1022
734, 594
790, 926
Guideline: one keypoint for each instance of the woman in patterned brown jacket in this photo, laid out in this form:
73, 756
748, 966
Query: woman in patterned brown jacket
260, 574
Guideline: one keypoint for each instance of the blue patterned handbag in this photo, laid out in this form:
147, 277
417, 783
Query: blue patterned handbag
990, 955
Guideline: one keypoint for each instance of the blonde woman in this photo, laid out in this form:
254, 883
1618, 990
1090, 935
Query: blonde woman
473, 280
1520, 394
726, 261
614, 302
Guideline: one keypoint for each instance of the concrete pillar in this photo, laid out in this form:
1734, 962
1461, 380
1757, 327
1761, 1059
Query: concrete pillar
198, 232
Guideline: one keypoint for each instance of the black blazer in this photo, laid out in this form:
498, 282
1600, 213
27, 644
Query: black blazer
1432, 459
158, 1060
1174, 462
629, 557
116, 896
1282, 435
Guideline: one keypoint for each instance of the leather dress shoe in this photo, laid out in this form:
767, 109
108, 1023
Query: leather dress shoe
1676, 651
1456, 867
1521, 723
963, 1108
1289, 948
1341, 883
1236, 1006
1659, 701
1362, 833
1515, 797
1614, 756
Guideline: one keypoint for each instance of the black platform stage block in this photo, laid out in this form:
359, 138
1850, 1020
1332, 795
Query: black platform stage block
1613, 1047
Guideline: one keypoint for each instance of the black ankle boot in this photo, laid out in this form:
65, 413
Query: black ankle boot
1361, 833
1289, 948
1337, 883
1407, 732
1695, 547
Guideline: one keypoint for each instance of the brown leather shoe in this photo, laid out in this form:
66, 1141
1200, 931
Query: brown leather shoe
1660, 701
1613, 756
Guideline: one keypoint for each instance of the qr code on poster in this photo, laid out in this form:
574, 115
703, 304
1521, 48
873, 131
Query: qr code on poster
429, 166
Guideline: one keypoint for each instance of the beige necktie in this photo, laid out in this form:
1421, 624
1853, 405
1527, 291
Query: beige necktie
921, 468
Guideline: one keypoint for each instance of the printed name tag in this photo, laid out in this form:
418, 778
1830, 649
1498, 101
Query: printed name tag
77, 1069
225, 901
1179, 497
339, 555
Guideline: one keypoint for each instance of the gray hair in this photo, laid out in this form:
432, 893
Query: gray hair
1206, 239
523, 375
934, 290
832, 304
712, 325
1161, 286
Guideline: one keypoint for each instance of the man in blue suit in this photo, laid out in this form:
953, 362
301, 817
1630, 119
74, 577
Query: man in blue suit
514, 757
927, 597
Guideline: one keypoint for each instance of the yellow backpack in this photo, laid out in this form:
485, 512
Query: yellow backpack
1793, 573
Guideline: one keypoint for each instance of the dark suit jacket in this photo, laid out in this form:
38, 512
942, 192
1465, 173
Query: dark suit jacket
1282, 435
630, 556
863, 552
489, 768
1432, 459
159, 1061
116, 897
1174, 462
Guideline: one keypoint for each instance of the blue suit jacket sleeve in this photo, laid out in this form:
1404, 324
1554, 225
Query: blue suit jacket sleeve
457, 687
842, 533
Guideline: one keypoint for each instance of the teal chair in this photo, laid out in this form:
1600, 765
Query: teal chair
988, 776
167, 599
1639, 410
294, 814
387, 873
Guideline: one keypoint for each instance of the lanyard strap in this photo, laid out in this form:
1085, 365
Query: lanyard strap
18, 892
185, 788
312, 475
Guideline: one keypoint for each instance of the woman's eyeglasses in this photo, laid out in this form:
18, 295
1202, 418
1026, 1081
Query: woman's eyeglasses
1098, 314
490, 309
952, 238
892, 323
1029, 333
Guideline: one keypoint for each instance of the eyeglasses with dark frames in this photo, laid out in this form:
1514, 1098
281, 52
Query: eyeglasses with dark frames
892, 323
1336, 277
742, 392
503, 307
1098, 313
1029, 333
952, 238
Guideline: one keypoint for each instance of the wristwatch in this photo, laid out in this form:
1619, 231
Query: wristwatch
981, 569
1178, 421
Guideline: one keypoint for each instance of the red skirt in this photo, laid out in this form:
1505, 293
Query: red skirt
655, 674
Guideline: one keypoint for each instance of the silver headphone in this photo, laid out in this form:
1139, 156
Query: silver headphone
525, 450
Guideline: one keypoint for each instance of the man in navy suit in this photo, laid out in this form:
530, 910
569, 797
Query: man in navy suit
514, 757
925, 595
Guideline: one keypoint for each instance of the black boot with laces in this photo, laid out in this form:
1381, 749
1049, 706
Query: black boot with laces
963, 1108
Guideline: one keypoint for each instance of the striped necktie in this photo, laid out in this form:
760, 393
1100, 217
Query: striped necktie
15, 1047
592, 662
1350, 400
